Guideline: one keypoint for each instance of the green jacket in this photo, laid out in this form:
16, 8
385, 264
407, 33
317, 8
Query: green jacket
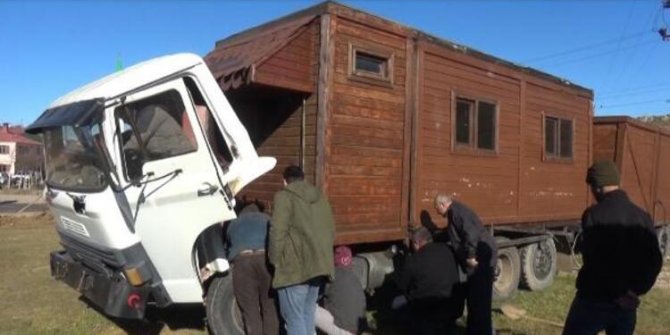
301, 235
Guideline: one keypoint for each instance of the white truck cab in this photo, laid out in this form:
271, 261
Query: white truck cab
142, 166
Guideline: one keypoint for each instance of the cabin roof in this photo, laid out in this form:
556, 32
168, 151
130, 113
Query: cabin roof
234, 58
627, 119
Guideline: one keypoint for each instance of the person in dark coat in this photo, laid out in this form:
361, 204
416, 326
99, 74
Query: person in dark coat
344, 302
429, 280
476, 252
621, 258
252, 281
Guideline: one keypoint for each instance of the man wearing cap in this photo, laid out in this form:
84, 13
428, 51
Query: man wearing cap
621, 258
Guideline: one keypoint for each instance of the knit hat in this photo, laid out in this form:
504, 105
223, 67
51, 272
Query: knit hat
342, 256
603, 173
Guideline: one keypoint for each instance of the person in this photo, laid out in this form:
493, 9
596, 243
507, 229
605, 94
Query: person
621, 258
429, 281
476, 252
300, 249
343, 310
246, 240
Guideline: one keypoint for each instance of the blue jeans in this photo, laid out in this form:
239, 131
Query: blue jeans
297, 305
588, 317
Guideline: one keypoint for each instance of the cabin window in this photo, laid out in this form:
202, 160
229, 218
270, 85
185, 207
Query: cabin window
475, 124
558, 138
4, 149
368, 64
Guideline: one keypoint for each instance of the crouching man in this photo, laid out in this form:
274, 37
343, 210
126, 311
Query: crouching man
429, 282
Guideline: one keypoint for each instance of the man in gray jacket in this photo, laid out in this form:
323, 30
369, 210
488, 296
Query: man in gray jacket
300, 249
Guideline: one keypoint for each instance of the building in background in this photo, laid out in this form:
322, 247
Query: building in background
18, 153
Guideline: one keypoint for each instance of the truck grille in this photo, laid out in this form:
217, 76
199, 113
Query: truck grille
98, 259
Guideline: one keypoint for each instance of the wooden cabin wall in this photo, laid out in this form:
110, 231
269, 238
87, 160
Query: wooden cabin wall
485, 181
662, 209
365, 139
273, 116
605, 141
551, 189
287, 69
638, 165
515, 184
274, 127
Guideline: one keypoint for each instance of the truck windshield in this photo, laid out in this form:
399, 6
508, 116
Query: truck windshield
73, 160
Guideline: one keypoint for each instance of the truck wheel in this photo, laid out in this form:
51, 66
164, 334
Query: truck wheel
507, 272
223, 315
538, 265
663, 239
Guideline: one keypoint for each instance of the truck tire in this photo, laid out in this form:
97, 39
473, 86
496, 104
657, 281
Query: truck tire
663, 239
223, 315
538, 265
507, 272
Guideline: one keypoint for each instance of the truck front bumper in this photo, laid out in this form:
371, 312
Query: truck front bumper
111, 294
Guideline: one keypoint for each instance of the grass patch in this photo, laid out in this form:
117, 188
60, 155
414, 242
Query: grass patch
34, 303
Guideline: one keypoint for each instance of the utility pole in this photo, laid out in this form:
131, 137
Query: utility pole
665, 36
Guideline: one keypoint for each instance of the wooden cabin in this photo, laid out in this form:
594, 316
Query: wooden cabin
382, 117
642, 154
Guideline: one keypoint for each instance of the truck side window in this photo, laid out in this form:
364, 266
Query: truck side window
212, 132
154, 128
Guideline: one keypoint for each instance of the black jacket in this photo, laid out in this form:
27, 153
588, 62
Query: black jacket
466, 233
430, 273
619, 249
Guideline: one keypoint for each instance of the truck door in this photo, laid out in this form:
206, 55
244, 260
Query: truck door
173, 184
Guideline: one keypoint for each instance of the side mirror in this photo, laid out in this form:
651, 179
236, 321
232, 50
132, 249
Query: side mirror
134, 160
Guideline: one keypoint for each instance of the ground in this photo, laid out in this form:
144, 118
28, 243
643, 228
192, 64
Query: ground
31, 302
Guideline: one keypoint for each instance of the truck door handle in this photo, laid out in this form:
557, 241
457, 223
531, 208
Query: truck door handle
207, 189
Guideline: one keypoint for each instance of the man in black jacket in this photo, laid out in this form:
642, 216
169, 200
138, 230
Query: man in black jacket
621, 259
429, 280
476, 251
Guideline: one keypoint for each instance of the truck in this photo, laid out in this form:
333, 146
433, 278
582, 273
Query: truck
142, 166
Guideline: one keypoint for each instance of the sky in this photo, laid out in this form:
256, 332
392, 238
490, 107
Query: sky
48, 48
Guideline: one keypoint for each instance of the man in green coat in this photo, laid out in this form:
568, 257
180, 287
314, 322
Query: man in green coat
300, 249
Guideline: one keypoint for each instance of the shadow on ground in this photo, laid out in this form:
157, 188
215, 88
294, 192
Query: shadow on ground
182, 317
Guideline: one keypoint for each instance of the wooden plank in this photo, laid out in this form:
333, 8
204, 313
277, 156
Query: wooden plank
352, 30
328, 25
410, 135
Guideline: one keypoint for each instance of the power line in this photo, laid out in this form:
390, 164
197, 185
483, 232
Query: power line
608, 74
634, 103
638, 88
586, 47
614, 96
602, 53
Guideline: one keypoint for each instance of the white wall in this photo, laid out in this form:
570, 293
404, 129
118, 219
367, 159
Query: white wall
9, 158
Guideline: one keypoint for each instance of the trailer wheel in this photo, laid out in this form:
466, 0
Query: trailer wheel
538, 265
223, 315
663, 240
507, 272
